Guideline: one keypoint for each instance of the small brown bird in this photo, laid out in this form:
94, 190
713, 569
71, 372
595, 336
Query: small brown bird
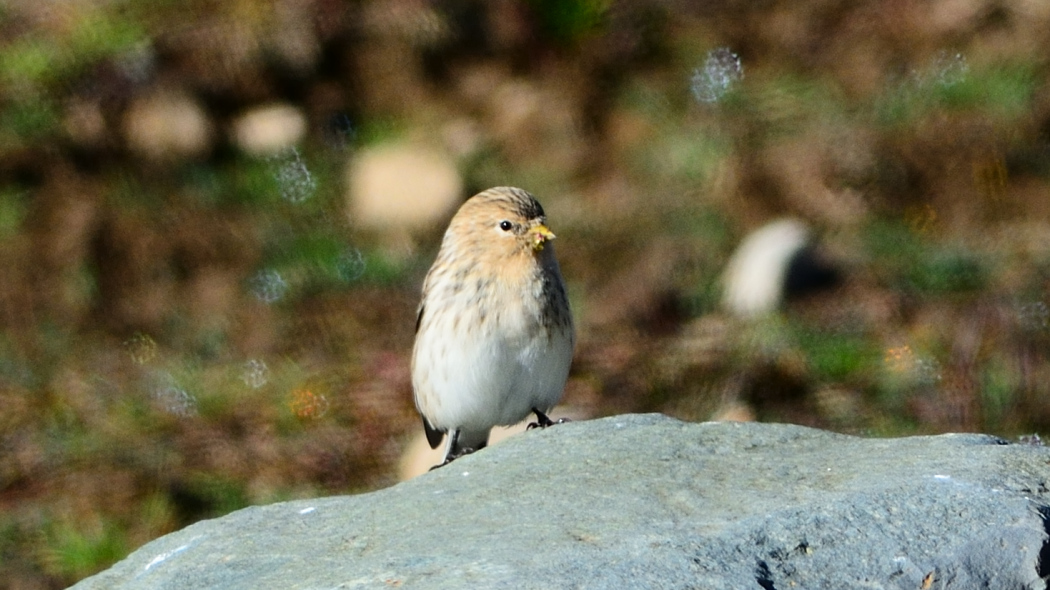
494, 334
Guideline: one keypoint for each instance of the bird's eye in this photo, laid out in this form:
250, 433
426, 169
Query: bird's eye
505, 225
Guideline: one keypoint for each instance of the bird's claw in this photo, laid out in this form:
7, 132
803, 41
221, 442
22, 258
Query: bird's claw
452, 458
542, 421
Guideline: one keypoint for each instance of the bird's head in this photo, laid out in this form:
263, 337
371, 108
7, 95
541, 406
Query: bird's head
502, 221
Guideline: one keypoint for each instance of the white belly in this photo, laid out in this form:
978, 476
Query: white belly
487, 380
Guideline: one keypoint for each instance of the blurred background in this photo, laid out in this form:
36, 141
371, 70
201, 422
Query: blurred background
215, 218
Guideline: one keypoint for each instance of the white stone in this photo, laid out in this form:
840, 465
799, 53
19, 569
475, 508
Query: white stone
167, 125
754, 277
402, 186
269, 129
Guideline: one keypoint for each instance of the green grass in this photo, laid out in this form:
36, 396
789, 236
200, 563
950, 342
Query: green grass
29, 63
786, 104
28, 120
949, 272
912, 261
76, 548
837, 356
1002, 91
217, 494
569, 21
999, 387
34, 61
14, 204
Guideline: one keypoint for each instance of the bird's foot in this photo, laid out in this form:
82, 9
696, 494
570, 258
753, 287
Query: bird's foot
442, 464
542, 421
451, 458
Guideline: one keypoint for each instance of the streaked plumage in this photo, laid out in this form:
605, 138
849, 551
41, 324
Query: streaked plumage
494, 334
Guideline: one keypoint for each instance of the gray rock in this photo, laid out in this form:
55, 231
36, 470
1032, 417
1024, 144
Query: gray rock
647, 502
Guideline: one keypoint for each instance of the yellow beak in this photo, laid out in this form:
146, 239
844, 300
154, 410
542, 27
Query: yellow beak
539, 236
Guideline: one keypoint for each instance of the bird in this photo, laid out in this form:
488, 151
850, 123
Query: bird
494, 333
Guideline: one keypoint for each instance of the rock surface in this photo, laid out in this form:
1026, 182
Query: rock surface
647, 502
